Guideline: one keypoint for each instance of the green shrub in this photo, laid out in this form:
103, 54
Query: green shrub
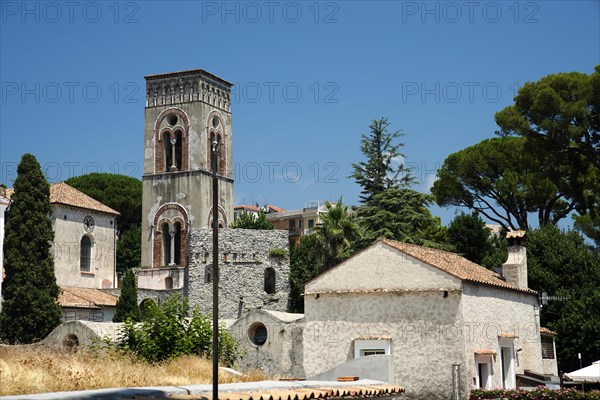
278, 252
537, 393
168, 332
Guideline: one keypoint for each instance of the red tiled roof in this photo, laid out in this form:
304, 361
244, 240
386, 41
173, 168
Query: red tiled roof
485, 352
85, 298
547, 331
310, 393
454, 264
275, 208
61, 193
245, 207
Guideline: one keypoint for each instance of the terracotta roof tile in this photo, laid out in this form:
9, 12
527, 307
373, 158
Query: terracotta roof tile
304, 393
454, 264
547, 331
85, 298
61, 193
485, 352
245, 207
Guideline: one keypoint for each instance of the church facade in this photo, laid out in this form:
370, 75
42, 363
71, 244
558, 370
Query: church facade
185, 112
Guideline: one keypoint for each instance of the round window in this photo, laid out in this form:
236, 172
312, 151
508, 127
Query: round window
215, 122
172, 119
257, 333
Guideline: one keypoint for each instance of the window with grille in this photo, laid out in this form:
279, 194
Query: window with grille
547, 347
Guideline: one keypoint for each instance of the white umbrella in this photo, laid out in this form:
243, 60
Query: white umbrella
591, 373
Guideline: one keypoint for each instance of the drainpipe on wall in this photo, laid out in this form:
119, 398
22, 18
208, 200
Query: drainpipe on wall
115, 253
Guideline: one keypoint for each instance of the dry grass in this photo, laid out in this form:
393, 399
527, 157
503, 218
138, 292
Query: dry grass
29, 369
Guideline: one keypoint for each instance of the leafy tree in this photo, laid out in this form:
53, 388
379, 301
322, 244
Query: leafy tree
305, 263
560, 264
247, 220
29, 310
127, 305
129, 249
120, 192
336, 234
469, 235
403, 215
378, 172
590, 226
505, 179
171, 330
560, 110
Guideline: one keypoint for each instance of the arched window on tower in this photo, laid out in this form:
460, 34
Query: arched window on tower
85, 254
177, 255
216, 133
270, 280
178, 150
166, 239
168, 151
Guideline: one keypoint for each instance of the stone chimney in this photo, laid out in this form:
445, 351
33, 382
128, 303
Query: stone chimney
514, 270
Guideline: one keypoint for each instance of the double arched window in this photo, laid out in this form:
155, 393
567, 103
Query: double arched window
216, 132
171, 147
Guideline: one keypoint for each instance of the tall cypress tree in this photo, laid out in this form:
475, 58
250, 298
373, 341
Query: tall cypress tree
127, 305
29, 309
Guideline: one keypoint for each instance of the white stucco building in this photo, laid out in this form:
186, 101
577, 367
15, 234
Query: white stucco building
429, 310
84, 251
426, 319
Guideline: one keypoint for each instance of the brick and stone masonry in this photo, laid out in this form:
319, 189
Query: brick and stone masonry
250, 276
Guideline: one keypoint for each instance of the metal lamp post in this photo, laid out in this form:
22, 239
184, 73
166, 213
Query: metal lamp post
215, 268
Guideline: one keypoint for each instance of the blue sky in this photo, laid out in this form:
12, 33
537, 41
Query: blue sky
310, 76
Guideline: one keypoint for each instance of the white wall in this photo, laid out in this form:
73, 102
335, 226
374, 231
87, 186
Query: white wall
382, 267
424, 327
490, 312
68, 231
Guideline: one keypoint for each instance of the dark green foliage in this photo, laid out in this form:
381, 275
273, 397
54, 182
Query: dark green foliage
332, 241
305, 264
560, 264
124, 194
278, 252
169, 330
336, 234
402, 214
505, 179
536, 394
127, 305
561, 111
29, 309
248, 220
119, 192
378, 172
471, 238
129, 249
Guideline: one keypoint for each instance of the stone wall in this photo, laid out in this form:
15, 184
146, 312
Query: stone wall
244, 256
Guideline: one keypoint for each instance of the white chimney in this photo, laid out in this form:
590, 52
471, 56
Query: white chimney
514, 269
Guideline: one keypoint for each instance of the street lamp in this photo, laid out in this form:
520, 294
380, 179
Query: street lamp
215, 268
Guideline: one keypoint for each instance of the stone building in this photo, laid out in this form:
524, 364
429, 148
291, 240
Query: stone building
185, 112
84, 247
84, 251
253, 268
4, 202
430, 311
412, 316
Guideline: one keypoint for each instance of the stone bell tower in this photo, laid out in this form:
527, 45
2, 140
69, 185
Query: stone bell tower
185, 111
